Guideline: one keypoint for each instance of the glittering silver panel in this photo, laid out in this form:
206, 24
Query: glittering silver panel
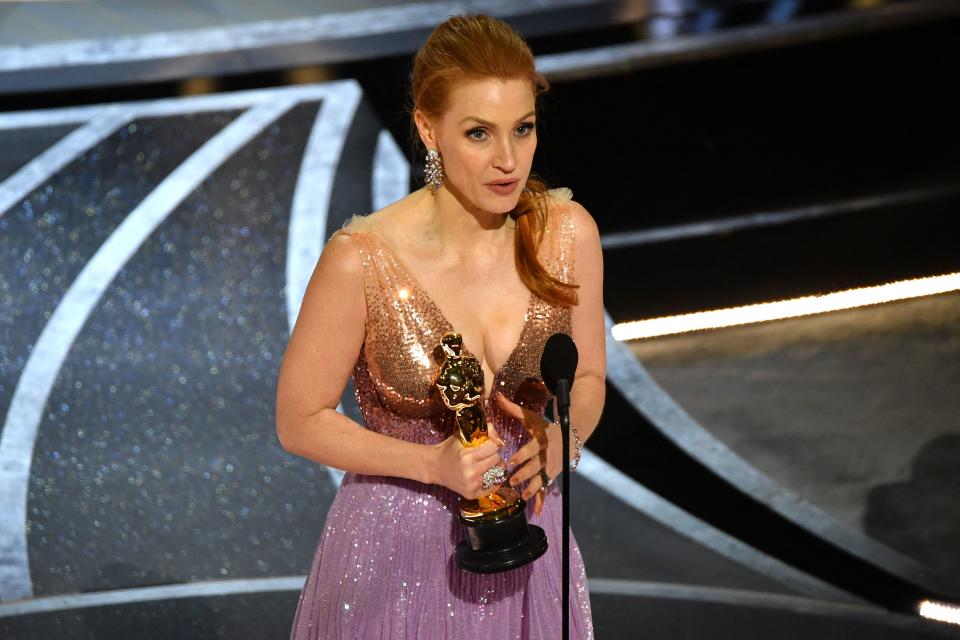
50, 235
157, 459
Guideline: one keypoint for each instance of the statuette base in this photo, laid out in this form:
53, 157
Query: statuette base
498, 546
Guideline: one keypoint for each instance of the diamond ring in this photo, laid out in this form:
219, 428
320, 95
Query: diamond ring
494, 475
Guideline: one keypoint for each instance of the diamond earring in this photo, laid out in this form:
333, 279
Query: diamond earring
434, 170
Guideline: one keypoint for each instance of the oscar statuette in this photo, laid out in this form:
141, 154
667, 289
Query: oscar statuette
498, 535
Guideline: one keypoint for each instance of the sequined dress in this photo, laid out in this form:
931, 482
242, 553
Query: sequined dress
384, 567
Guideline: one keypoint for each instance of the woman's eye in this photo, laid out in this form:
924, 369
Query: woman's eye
480, 134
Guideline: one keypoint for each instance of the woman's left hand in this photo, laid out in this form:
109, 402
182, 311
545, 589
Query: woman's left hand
544, 450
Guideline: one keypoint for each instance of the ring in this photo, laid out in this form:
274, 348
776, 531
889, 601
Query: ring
493, 475
545, 480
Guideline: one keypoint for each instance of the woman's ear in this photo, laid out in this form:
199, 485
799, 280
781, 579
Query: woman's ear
426, 129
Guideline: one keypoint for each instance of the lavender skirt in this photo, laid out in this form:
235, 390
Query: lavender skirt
384, 569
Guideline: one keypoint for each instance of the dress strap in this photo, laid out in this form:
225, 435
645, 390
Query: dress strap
372, 281
561, 260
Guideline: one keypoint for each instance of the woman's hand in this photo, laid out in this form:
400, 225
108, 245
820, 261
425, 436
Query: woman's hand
461, 468
544, 450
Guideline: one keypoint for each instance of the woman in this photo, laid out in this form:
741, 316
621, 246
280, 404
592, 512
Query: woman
486, 250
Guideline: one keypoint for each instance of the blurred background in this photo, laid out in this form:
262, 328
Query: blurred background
776, 183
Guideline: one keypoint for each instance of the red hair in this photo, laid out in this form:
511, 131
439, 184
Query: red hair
474, 47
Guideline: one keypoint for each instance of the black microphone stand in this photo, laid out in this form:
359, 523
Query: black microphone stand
563, 411
558, 366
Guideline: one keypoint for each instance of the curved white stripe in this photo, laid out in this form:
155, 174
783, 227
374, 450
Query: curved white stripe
150, 594
597, 586
311, 197
18, 186
759, 600
170, 106
43, 365
607, 477
869, 614
311, 200
391, 172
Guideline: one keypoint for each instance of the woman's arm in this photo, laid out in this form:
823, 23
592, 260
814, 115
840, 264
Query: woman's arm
589, 387
322, 351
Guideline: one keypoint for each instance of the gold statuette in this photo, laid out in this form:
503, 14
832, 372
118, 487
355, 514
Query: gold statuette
460, 381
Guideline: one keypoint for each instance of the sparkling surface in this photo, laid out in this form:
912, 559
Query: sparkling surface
157, 457
384, 566
51, 234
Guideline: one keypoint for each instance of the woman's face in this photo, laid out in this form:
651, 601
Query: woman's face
488, 135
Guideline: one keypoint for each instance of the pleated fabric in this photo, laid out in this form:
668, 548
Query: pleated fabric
385, 566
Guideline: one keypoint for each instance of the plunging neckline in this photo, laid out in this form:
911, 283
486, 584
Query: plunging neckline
449, 325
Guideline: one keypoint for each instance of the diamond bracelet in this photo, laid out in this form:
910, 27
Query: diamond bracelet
572, 464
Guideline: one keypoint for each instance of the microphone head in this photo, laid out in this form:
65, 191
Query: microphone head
559, 361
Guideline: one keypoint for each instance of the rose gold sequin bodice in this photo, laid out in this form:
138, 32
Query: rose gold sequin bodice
395, 372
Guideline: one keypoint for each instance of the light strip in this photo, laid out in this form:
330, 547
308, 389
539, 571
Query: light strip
781, 309
940, 611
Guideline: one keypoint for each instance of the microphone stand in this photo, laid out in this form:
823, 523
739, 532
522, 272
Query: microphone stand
558, 366
563, 411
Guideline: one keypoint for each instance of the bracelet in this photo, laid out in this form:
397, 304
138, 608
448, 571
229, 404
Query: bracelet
576, 439
572, 464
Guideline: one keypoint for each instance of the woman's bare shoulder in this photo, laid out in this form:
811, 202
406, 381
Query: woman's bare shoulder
388, 223
344, 251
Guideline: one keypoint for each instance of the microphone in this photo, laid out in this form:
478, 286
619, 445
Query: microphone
558, 365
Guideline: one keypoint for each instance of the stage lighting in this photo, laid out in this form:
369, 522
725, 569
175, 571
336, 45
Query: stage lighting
940, 611
781, 309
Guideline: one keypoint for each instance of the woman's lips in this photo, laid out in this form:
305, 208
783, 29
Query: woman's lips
503, 189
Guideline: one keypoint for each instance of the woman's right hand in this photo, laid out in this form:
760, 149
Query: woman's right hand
461, 468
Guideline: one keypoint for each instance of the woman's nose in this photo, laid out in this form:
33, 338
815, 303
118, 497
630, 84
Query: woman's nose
506, 158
